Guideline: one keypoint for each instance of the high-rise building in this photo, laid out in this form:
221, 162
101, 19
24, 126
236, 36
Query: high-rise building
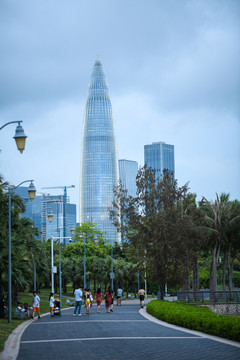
38, 209
159, 156
128, 170
99, 160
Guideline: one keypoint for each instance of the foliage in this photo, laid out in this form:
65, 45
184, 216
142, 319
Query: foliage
196, 318
163, 233
25, 249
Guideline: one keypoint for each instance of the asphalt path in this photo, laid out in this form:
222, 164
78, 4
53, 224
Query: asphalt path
123, 334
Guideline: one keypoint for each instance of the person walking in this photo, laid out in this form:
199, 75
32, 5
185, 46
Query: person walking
78, 300
98, 299
111, 307
88, 304
108, 301
36, 304
119, 295
141, 294
51, 304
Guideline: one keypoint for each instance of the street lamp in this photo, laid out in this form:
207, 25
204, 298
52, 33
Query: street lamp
31, 193
72, 231
112, 274
50, 218
19, 137
60, 271
145, 275
84, 263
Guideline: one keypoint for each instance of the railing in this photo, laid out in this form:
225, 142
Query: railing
208, 297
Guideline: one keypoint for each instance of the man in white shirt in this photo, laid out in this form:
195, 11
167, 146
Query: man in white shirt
78, 300
36, 304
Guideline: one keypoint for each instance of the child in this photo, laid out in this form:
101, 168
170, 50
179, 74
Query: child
88, 304
35, 304
51, 303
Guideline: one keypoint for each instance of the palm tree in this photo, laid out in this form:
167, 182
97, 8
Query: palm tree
232, 238
217, 214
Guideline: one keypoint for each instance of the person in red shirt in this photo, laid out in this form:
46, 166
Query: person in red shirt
98, 299
108, 301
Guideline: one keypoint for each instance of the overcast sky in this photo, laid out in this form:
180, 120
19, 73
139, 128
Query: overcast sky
173, 69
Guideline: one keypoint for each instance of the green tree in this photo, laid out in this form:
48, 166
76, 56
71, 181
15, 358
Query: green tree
153, 223
217, 213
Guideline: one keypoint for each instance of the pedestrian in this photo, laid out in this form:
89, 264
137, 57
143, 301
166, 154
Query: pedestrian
141, 294
111, 307
51, 304
88, 304
78, 300
98, 299
36, 304
90, 297
119, 295
108, 299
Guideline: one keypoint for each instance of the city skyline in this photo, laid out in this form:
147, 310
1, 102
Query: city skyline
173, 72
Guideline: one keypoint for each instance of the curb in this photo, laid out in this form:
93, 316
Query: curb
145, 314
12, 344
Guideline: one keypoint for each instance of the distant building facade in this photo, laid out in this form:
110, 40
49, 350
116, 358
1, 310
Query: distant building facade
38, 210
128, 170
159, 156
99, 159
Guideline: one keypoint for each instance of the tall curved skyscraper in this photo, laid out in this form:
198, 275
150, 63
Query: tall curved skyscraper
99, 159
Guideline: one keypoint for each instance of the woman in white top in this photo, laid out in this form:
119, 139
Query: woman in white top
51, 303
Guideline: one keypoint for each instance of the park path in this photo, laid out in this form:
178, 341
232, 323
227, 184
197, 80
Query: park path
125, 333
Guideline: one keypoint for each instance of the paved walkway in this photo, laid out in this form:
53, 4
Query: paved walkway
125, 333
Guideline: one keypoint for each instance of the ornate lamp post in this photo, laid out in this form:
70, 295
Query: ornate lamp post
31, 193
19, 137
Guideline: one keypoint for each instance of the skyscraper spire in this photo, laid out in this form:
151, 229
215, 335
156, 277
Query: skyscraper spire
99, 160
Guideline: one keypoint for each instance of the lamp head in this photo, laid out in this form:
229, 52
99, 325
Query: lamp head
50, 215
31, 191
72, 231
20, 138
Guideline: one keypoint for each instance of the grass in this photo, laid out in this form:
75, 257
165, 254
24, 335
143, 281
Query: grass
6, 329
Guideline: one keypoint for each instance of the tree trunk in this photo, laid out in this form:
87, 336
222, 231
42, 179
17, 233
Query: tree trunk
213, 271
186, 285
162, 290
230, 268
195, 279
224, 271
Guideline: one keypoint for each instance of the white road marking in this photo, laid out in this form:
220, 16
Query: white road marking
116, 338
78, 321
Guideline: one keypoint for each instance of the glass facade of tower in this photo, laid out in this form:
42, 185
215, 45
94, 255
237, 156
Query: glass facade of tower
159, 156
127, 173
99, 160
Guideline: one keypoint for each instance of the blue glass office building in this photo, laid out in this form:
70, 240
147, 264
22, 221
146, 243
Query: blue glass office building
128, 170
38, 209
99, 160
159, 156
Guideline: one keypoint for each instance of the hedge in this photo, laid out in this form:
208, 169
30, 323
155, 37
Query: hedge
196, 318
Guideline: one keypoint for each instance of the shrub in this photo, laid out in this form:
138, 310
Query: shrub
196, 318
